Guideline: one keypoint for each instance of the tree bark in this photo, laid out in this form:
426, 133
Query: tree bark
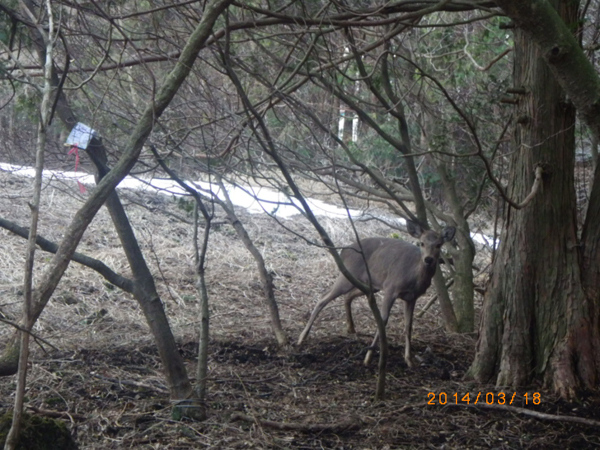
463, 289
204, 323
536, 318
144, 288
14, 434
553, 32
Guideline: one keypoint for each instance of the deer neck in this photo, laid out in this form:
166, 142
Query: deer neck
426, 273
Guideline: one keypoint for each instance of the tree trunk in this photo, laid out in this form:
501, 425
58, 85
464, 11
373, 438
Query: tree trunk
446, 308
463, 290
144, 288
459, 315
153, 306
204, 323
14, 434
266, 278
535, 321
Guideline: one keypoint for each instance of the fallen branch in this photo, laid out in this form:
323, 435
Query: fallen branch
131, 383
536, 414
336, 427
58, 414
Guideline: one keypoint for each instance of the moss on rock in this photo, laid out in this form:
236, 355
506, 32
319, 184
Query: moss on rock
39, 433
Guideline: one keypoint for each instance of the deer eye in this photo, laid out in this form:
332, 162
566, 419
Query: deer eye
438, 246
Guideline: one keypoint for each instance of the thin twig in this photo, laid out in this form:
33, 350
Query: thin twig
25, 330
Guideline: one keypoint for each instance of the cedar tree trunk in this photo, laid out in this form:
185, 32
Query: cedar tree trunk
536, 321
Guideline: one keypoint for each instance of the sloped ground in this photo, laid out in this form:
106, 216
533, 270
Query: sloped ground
105, 373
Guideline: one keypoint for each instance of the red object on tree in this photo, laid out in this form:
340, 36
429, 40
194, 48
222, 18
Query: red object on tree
75, 150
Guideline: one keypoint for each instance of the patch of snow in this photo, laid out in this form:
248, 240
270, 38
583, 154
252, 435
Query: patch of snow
255, 200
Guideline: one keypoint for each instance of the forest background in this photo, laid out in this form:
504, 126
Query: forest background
481, 115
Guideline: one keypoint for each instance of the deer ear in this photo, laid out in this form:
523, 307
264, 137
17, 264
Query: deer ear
414, 229
448, 233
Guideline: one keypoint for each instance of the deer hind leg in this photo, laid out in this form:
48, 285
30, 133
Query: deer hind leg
348, 304
341, 286
409, 308
388, 301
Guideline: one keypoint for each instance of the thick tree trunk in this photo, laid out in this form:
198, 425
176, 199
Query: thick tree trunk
535, 320
553, 31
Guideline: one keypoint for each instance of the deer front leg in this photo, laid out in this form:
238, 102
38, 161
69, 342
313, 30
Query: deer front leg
409, 308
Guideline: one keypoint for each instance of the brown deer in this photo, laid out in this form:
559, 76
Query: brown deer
399, 269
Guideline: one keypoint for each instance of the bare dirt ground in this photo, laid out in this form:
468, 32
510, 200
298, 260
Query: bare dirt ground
105, 374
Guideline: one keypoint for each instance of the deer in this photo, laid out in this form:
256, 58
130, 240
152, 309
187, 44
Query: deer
395, 267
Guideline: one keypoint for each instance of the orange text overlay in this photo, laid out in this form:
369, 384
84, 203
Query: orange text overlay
490, 398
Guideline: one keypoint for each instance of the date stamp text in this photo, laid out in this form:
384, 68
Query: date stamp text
489, 398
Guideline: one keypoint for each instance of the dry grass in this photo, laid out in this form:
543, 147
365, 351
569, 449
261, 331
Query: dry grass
107, 373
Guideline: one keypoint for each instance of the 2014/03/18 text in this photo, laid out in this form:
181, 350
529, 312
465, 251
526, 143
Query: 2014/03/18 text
489, 398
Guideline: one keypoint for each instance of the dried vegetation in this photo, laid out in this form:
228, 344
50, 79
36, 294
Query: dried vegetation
104, 376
